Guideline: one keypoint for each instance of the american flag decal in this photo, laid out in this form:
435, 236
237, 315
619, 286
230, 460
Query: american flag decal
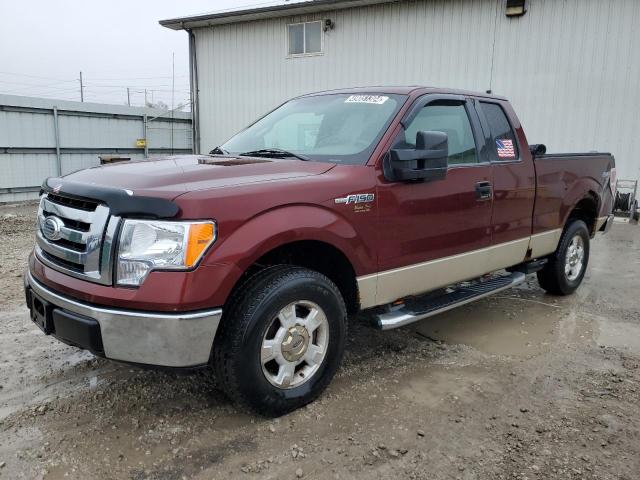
505, 148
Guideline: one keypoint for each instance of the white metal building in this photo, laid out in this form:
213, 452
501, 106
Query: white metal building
570, 67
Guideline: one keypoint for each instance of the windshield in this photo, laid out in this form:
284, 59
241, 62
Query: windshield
340, 128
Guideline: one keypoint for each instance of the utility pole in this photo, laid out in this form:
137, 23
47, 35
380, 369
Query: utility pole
81, 89
173, 93
145, 97
128, 97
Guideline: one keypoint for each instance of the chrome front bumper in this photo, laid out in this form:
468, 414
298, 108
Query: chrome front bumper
161, 339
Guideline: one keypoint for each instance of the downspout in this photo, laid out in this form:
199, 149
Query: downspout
56, 134
193, 83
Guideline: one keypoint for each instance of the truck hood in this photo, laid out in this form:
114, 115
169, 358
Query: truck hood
172, 176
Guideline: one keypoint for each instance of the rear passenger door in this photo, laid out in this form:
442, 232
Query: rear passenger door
514, 182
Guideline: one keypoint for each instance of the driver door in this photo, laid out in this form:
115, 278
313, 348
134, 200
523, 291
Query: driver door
435, 233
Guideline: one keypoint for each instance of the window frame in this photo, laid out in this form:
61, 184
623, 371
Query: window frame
490, 139
476, 129
304, 39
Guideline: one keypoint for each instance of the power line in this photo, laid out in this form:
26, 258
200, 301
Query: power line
105, 94
168, 89
51, 86
45, 92
36, 84
34, 76
137, 78
93, 78
139, 87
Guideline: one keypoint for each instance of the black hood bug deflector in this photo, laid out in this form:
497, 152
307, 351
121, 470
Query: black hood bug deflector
120, 202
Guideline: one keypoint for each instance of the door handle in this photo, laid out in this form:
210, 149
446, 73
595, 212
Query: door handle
483, 190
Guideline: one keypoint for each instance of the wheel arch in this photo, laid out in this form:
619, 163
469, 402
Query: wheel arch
320, 256
585, 209
308, 236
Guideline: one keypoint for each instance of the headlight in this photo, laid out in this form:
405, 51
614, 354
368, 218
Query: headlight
147, 245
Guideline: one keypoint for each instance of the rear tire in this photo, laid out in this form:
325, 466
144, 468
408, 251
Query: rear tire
281, 339
566, 267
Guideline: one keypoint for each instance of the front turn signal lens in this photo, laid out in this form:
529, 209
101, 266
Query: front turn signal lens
201, 235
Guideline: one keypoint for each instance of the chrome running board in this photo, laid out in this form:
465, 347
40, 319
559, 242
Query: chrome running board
418, 308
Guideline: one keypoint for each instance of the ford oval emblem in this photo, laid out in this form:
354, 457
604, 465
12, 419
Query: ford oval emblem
52, 228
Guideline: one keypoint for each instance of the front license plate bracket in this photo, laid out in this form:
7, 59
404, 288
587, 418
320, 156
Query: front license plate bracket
41, 313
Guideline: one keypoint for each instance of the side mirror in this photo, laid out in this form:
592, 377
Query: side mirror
428, 161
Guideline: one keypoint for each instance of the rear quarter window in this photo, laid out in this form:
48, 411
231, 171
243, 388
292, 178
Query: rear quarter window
504, 138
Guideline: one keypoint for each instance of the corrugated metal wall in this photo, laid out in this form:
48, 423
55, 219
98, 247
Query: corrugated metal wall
85, 130
570, 67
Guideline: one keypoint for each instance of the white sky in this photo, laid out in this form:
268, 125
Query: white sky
44, 44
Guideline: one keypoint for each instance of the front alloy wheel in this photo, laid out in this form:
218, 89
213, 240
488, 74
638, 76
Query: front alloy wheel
295, 344
281, 339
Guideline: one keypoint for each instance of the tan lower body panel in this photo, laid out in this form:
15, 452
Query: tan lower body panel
385, 287
544, 243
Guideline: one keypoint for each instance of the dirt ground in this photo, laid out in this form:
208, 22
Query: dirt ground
518, 386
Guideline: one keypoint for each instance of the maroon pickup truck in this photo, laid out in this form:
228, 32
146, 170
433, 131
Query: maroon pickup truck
407, 201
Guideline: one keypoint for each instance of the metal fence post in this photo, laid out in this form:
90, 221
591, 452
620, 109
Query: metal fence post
146, 141
56, 133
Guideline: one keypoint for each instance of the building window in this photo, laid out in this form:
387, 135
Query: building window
305, 38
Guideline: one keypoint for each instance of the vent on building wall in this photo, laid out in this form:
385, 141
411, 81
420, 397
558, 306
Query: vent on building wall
515, 8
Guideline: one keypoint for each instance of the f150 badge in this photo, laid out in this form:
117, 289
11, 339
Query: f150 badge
361, 201
357, 198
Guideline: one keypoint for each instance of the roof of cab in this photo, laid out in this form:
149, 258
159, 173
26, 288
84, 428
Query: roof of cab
405, 90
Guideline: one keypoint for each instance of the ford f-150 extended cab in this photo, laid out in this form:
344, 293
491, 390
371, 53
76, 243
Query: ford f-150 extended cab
405, 201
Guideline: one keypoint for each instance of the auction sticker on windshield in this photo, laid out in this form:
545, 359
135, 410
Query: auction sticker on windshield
375, 99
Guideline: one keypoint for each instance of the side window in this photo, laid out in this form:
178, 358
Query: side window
449, 118
505, 139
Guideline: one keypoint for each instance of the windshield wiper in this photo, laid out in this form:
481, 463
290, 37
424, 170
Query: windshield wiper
275, 153
218, 151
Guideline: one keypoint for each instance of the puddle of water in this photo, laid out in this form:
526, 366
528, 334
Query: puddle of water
618, 334
17, 450
38, 367
437, 385
501, 325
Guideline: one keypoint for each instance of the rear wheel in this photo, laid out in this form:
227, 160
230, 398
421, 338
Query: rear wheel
564, 272
281, 340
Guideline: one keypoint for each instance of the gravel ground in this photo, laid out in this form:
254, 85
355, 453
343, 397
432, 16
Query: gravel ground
521, 385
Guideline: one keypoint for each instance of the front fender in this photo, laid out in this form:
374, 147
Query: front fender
283, 225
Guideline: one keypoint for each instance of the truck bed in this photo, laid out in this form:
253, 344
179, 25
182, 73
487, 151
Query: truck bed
563, 179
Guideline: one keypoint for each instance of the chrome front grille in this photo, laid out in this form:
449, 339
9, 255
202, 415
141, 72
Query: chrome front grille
76, 236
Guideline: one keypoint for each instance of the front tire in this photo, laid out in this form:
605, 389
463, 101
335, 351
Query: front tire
281, 339
566, 267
